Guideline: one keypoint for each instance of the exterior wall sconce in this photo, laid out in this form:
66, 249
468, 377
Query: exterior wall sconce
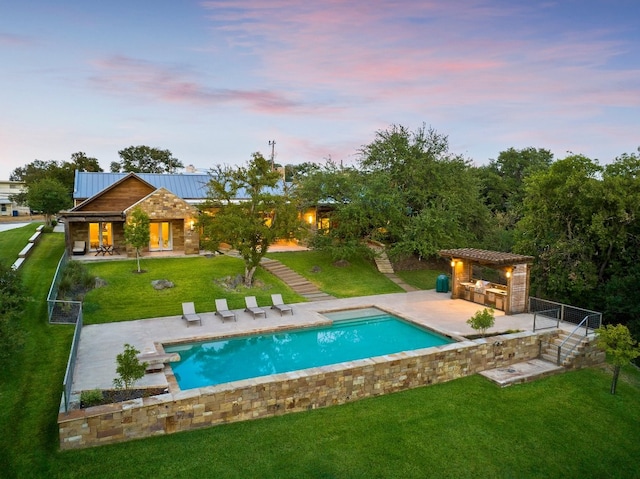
310, 219
192, 225
508, 273
453, 263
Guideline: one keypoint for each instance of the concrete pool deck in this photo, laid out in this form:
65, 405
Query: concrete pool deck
100, 344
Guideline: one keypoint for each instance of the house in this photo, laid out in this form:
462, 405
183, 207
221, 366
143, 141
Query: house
7, 206
103, 203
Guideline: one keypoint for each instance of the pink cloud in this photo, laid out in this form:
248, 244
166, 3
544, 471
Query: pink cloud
122, 75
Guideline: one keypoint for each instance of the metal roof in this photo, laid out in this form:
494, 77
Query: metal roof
486, 257
188, 187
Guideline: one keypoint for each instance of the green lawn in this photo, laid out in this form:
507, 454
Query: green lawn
421, 279
566, 426
12, 242
130, 295
359, 278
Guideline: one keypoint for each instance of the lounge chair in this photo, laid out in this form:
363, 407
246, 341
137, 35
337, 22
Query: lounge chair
279, 304
223, 310
189, 314
79, 247
253, 308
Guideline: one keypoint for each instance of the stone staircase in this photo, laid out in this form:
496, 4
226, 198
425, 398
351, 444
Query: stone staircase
385, 267
575, 344
296, 282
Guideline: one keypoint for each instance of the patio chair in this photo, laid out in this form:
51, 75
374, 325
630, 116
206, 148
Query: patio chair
253, 308
189, 314
279, 304
79, 247
223, 310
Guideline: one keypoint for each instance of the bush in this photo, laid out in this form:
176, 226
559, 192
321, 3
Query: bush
91, 398
129, 369
482, 320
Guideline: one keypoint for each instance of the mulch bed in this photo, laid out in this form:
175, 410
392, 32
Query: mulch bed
111, 396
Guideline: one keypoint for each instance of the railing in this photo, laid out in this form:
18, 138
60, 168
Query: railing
570, 314
53, 290
71, 363
583, 324
546, 314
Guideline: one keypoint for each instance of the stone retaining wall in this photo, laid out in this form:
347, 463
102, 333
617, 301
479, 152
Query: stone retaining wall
291, 392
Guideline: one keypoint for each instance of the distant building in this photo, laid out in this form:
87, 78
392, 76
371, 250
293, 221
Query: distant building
8, 207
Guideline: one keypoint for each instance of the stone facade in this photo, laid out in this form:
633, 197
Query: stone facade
162, 205
291, 392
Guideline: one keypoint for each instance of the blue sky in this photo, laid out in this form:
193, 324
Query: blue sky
214, 81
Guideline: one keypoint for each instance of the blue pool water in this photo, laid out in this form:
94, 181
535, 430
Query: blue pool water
372, 333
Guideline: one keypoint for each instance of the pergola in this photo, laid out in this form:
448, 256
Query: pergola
512, 297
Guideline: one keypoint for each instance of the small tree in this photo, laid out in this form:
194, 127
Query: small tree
136, 231
619, 346
49, 196
482, 320
129, 369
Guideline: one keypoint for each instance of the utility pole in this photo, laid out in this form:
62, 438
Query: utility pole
272, 144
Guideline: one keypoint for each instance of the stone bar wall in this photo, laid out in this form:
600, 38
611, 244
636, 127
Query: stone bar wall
292, 392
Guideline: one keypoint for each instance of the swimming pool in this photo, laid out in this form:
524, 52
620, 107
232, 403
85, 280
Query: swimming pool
355, 334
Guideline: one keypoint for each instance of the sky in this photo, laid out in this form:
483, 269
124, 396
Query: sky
214, 81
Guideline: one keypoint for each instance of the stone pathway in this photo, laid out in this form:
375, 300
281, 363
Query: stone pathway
296, 282
385, 267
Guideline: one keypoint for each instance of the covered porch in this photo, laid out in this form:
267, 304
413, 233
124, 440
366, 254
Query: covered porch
491, 278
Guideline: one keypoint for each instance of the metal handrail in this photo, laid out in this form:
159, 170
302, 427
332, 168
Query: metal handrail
560, 359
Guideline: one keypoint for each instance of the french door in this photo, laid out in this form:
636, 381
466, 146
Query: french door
160, 236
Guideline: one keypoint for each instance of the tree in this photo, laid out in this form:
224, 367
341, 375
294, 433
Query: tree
252, 224
619, 346
11, 304
482, 320
129, 368
49, 196
144, 159
427, 198
64, 172
136, 231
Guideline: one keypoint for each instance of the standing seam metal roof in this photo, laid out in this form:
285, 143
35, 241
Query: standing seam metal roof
88, 184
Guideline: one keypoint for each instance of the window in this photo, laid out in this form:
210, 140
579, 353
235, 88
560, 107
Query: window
100, 234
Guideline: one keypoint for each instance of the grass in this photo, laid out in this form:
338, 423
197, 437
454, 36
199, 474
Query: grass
557, 427
359, 278
12, 242
130, 295
565, 426
421, 279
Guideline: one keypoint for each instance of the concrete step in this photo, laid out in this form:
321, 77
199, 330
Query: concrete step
522, 372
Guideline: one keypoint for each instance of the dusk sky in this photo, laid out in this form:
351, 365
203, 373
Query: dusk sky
214, 81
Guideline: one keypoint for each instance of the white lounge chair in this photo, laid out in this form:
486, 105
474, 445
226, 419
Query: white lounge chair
223, 310
79, 247
189, 314
253, 308
279, 304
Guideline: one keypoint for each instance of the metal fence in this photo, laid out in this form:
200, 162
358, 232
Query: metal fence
548, 314
53, 290
71, 363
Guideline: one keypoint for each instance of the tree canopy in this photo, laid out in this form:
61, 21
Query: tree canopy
408, 191
63, 171
252, 225
48, 196
145, 159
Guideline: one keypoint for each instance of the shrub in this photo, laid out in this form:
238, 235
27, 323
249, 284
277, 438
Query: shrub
482, 320
129, 369
91, 398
